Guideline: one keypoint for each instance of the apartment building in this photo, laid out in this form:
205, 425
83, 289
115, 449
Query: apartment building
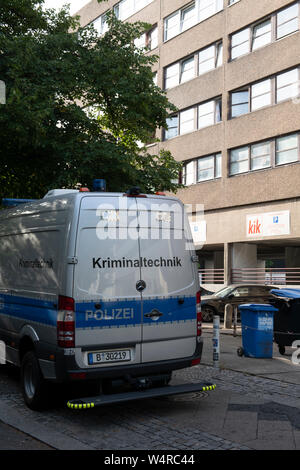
232, 68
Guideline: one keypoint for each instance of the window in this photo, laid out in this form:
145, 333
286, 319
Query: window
172, 26
275, 152
207, 8
172, 124
152, 38
288, 21
125, 8
188, 17
278, 25
187, 70
261, 95
210, 58
287, 85
260, 156
209, 113
184, 70
241, 292
185, 18
172, 76
279, 88
239, 103
180, 72
148, 39
239, 160
187, 121
262, 34
202, 169
100, 24
189, 173
287, 149
259, 290
240, 43
209, 168
122, 10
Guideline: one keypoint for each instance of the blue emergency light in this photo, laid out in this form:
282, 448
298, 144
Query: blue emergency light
99, 185
8, 202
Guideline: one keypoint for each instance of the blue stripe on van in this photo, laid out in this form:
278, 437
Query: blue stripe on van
171, 309
27, 308
119, 313
128, 312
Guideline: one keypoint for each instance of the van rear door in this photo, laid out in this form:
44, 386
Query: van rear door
170, 280
108, 306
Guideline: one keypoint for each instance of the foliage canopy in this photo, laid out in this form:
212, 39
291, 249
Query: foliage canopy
78, 106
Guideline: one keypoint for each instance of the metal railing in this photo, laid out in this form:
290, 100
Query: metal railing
211, 276
280, 276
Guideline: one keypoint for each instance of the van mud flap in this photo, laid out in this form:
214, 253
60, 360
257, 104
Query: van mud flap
167, 390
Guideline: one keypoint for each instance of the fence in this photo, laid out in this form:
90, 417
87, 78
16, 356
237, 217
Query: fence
276, 276
272, 276
211, 276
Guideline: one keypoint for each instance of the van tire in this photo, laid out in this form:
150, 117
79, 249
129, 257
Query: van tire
32, 382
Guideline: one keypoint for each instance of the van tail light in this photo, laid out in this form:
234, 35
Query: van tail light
199, 314
66, 322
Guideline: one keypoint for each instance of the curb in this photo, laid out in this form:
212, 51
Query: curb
38, 431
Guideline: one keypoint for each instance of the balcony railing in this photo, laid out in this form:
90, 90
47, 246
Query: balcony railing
211, 276
277, 276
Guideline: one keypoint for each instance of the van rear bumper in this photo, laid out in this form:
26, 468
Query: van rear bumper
67, 370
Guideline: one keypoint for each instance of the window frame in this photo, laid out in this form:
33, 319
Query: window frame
214, 158
276, 21
215, 101
195, 169
197, 20
273, 92
273, 17
273, 154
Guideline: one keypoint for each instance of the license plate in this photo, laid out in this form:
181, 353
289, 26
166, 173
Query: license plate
101, 357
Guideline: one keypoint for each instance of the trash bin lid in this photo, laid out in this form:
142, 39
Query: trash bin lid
258, 307
287, 293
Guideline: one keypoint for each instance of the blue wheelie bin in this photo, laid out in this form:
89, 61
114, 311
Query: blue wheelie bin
257, 330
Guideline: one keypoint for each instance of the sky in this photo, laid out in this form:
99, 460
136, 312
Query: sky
75, 4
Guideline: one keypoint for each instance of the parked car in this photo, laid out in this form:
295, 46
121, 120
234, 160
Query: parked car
235, 295
205, 291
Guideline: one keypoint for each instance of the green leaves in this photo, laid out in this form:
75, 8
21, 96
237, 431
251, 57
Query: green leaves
54, 71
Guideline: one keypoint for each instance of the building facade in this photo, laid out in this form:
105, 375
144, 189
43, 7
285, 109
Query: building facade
232, 69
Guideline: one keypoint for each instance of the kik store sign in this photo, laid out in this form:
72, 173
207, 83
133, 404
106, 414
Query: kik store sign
268, 225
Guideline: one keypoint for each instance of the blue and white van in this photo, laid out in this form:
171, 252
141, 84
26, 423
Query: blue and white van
96, 286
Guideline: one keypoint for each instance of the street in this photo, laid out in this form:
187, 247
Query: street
246, 411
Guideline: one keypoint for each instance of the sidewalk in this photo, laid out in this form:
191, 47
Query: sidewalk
277, 368
13, 439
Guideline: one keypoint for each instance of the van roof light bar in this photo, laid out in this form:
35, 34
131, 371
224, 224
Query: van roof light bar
135, 191
9, 202
99, 185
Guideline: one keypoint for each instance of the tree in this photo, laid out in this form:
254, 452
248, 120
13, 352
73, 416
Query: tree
77, 104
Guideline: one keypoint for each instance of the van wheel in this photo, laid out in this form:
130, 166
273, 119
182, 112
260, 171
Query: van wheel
32, 382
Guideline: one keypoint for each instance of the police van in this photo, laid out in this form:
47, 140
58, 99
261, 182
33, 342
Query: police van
95, 287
